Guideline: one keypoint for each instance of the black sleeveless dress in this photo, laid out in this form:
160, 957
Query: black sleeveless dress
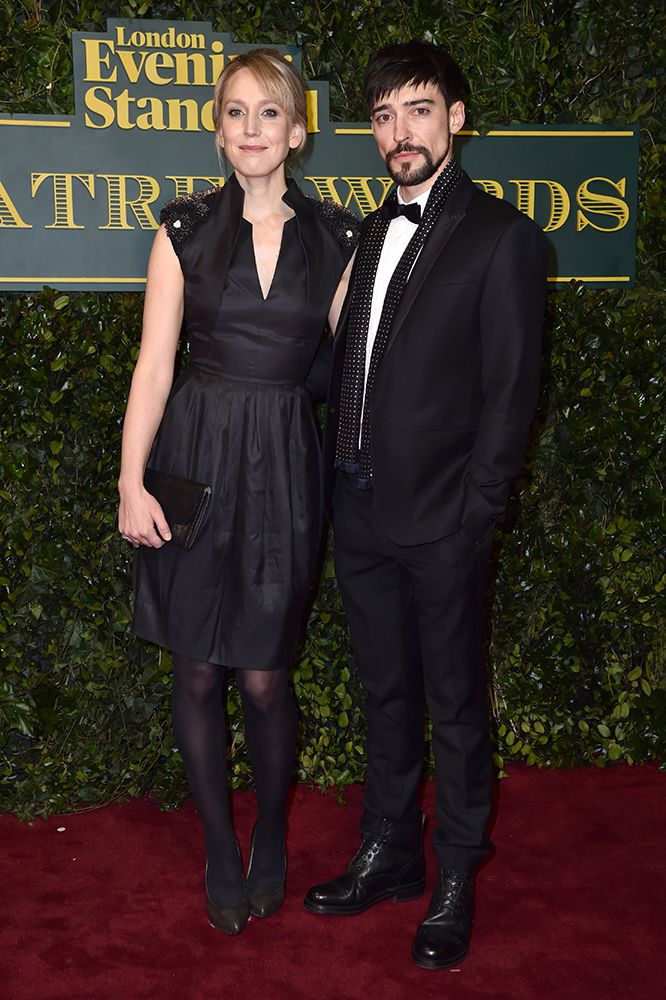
240, 419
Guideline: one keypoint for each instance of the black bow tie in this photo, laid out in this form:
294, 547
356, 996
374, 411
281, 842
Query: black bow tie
392, 208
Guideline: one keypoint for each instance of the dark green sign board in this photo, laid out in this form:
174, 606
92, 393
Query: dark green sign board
80, 195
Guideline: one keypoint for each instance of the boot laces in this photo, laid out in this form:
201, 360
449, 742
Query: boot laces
367, 852
452, 890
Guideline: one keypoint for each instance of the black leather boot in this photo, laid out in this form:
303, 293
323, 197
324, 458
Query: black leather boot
442, 940
380, 869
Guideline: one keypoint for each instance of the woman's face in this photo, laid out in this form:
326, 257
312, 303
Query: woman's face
254, 129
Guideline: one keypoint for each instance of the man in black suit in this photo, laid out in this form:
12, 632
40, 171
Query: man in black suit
434, 384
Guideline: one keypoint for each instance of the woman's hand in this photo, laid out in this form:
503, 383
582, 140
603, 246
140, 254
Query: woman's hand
141, 520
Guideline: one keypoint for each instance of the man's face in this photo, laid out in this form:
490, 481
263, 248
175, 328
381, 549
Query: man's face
413, 128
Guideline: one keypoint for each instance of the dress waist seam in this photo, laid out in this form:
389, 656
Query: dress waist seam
217, 373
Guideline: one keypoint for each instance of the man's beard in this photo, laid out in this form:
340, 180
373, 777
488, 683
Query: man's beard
409, 177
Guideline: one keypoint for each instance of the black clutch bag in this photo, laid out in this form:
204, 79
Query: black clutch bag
183, 501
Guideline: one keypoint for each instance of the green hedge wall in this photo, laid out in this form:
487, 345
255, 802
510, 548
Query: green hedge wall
576, 640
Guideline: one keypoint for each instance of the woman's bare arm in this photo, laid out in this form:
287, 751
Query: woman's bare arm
140, 517
339, 297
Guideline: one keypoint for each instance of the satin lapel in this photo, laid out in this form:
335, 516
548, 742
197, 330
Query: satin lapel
450, 219
440, 236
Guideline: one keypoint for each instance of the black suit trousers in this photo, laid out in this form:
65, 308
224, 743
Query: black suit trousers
416, 619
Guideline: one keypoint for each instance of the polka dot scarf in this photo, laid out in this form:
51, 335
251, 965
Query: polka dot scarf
348, 456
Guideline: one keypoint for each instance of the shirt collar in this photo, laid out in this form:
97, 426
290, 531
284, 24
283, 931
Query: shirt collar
420, 200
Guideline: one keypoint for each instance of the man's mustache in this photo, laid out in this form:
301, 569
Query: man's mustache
406, 147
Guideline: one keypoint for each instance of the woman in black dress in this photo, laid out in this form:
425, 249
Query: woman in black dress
254, 270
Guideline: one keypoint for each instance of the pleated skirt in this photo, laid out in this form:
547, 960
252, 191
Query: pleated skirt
239, 596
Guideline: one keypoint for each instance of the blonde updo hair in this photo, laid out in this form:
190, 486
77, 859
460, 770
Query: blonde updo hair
277, 77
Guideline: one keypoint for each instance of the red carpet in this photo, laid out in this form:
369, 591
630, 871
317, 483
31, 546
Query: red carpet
571, 907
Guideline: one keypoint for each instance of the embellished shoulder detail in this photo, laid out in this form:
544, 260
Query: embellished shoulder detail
344, 225
183, 216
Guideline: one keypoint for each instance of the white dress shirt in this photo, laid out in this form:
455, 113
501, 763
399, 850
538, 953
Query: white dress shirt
398, 235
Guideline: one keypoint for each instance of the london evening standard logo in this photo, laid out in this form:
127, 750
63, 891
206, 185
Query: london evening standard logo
80, 195
128, 77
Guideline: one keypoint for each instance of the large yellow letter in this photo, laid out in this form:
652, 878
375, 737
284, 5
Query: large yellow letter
326, 188
63, 196
312, 107
129, 65
359, 190
95, 60
491, 187
176, 108
9, 217
154, 117
119, 202
559, 201
196, 61
154, 63
95, 103
602, 204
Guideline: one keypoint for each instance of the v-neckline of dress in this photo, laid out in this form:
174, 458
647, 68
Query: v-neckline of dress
265, 298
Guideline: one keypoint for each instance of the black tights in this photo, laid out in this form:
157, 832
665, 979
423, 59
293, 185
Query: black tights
199, 691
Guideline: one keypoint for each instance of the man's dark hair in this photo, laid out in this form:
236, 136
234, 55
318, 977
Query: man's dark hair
413, 63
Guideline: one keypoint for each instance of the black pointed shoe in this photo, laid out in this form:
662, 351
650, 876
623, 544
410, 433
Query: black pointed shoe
265, 902
442, 939
379, 870
228, 919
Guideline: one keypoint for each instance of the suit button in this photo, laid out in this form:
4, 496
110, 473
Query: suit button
332, 409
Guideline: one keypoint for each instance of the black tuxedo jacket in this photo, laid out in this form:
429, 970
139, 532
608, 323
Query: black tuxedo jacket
456, 390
